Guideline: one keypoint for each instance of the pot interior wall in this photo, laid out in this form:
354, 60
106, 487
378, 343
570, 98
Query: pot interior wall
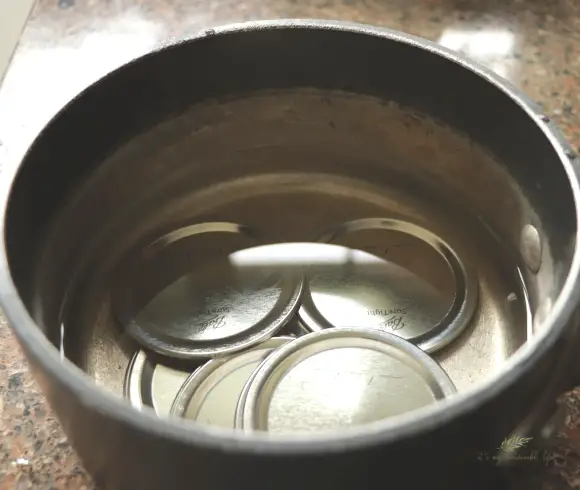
291, 161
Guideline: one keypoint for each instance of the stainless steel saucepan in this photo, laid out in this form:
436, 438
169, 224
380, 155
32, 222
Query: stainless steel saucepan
118, 220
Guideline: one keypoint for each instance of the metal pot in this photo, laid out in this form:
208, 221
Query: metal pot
322, 109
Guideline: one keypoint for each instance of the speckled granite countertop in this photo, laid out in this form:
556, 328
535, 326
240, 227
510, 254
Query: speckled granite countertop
69, 43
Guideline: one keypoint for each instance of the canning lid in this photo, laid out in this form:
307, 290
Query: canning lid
148, 383
210, 394
418, 289
180, 296
339, 378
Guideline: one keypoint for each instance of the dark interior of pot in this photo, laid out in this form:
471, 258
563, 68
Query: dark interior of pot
293, 133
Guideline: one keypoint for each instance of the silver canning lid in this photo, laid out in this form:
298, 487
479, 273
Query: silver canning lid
180, 296
339, 378
390, 297
210, 395
148, 383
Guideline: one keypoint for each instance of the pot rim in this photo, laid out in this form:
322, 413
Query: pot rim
38, 347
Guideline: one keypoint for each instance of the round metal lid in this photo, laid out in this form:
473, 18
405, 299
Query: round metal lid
339, 378
148, 383
181, 296
390, 297
210, 395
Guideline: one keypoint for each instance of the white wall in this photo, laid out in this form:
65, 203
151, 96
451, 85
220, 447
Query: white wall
13, 16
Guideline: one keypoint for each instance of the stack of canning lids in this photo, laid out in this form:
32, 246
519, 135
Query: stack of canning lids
291, 337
